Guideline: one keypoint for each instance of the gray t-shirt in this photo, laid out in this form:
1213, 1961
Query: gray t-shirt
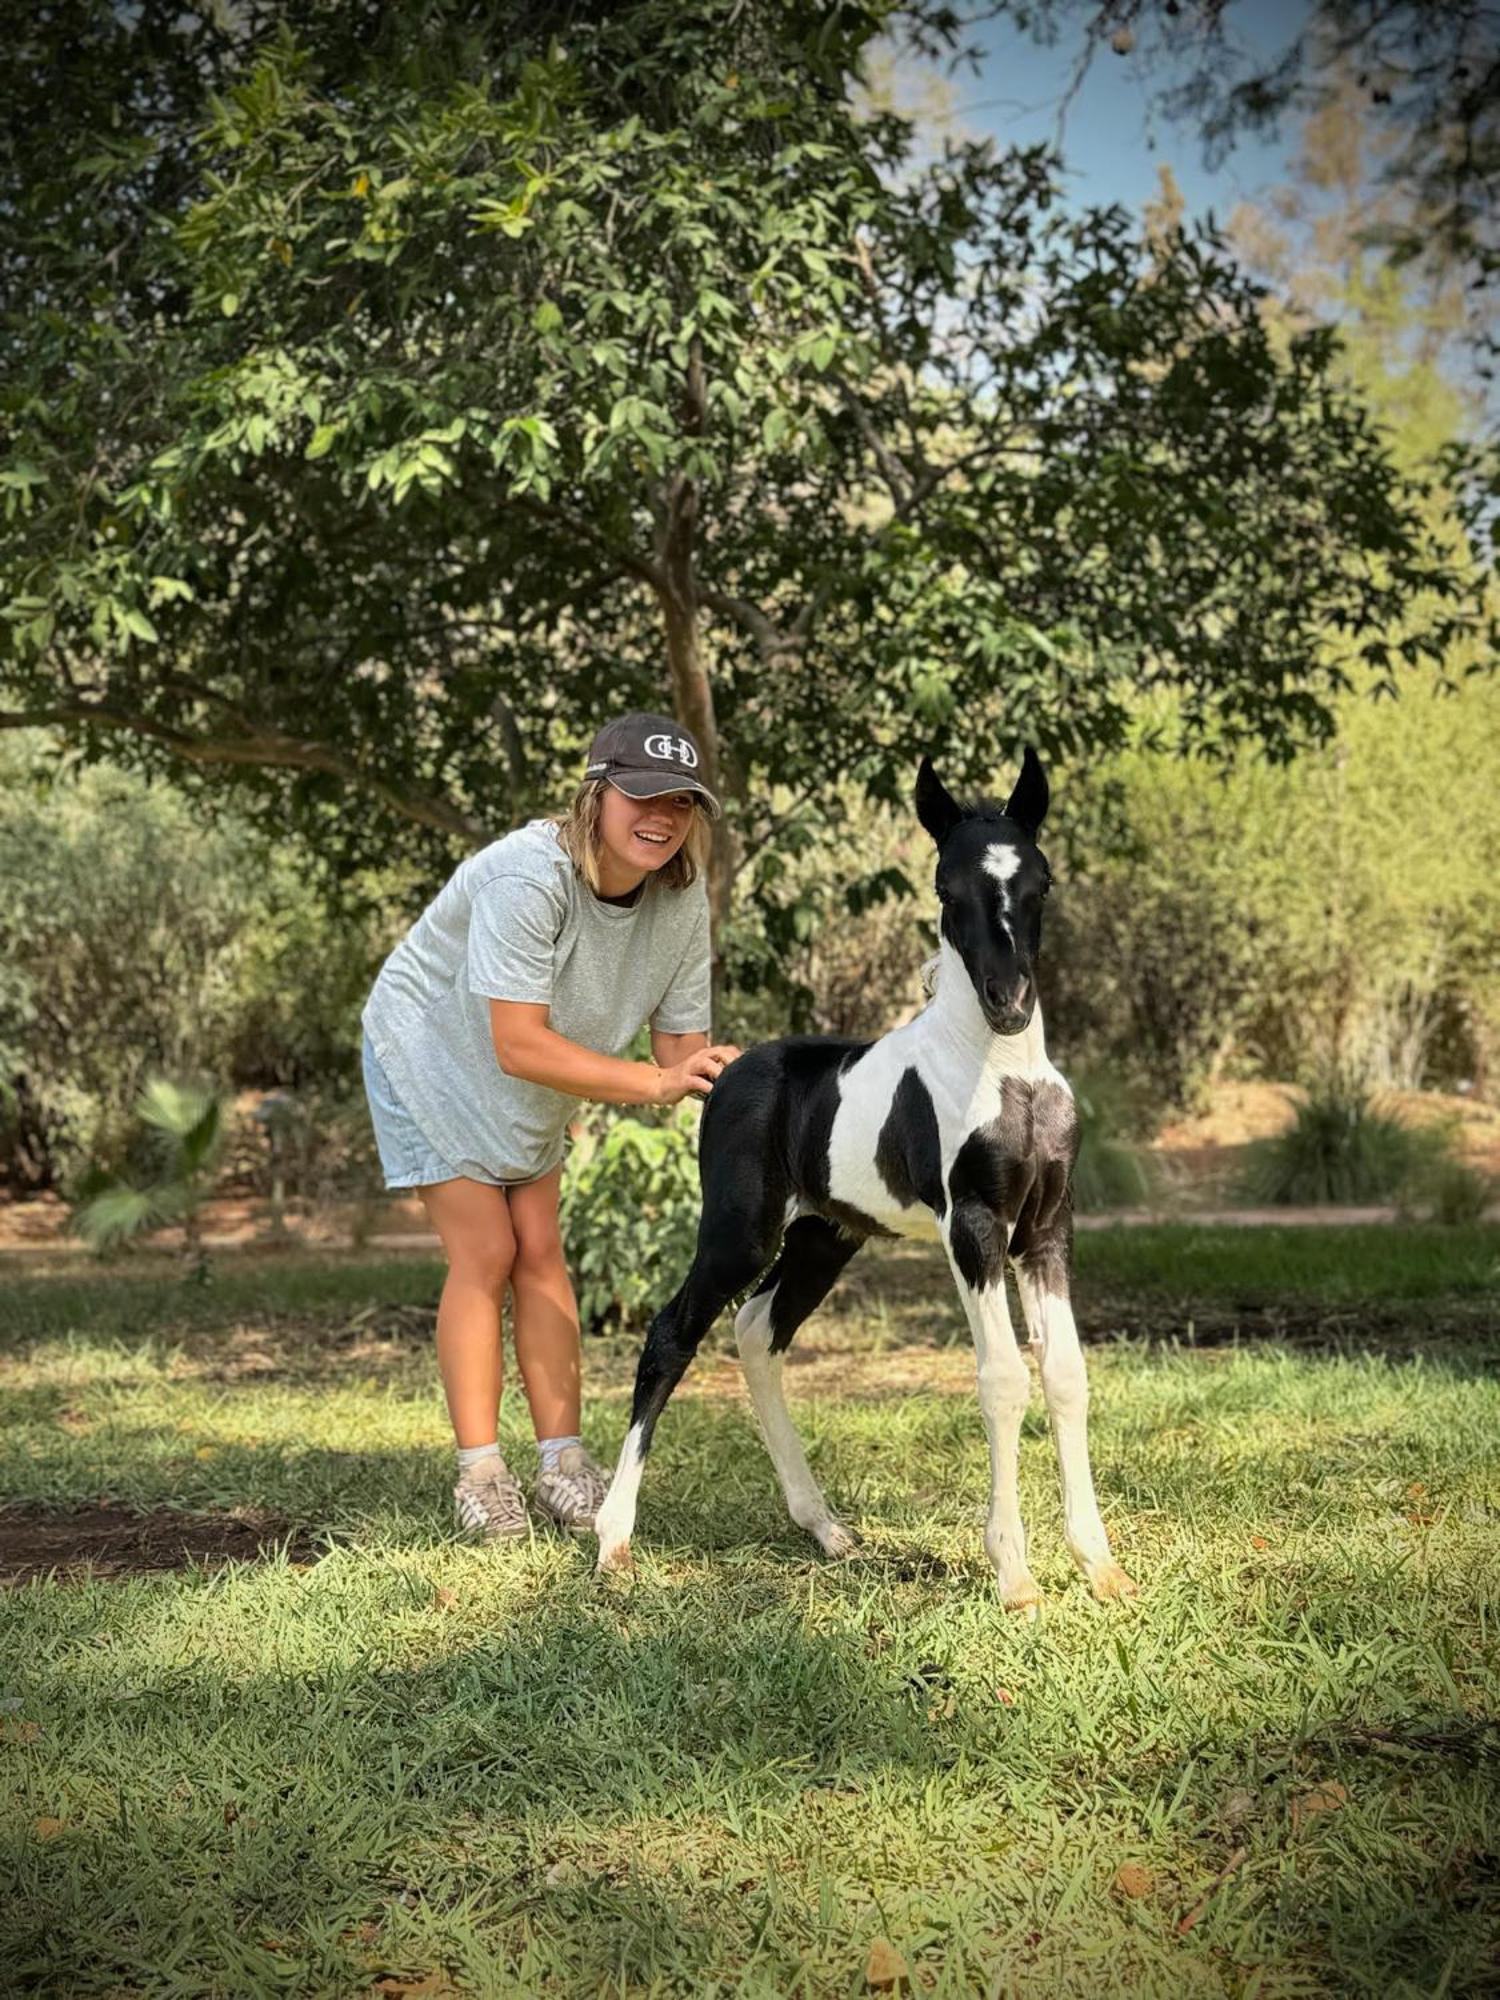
515, 922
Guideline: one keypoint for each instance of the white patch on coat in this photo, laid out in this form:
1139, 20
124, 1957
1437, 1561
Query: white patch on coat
1001, 861
616, 1516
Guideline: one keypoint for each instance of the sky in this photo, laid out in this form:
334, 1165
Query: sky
1110, 143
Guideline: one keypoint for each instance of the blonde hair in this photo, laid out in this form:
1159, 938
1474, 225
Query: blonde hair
579, 837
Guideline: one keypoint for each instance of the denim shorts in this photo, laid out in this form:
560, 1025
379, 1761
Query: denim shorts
407, 1158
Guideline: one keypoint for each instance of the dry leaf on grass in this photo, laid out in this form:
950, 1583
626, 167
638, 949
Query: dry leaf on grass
885, 1969
1324, 1798
47, 1829
16, 1729
1005, 1698
1259, 1542
1134, 1880
445, 1600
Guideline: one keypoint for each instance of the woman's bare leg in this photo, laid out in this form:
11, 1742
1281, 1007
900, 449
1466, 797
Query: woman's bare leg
474, 1223
545, 1311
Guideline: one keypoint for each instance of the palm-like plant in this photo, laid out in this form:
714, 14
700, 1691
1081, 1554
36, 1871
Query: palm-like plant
187, 1124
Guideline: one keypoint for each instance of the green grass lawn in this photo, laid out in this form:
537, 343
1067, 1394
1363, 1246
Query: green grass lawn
414, 1765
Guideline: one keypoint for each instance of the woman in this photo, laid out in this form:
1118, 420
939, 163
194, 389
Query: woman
507, 1001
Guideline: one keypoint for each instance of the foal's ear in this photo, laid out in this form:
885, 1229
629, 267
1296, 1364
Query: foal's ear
937, 808
1027, 804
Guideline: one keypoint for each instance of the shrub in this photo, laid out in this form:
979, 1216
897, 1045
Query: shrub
1340, 1147
136, 940
185, 1128
1111, 1171
630, 1204
1453, 1193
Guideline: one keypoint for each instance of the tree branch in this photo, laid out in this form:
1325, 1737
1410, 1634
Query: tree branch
267, 749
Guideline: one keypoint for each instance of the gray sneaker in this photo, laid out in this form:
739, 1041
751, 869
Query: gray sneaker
488, 1504
571, 1493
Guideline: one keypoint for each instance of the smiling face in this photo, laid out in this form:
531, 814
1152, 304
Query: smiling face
637, 837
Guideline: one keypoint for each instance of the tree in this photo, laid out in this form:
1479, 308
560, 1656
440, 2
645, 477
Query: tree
402, 388
1428, 78
1338, 918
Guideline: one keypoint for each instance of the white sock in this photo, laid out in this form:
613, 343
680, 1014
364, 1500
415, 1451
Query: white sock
551, 1450
471, 1455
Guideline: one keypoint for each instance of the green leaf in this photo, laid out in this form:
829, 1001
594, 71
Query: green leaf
321, 442
139, 625
229, 304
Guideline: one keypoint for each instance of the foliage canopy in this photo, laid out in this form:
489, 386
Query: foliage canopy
399, 389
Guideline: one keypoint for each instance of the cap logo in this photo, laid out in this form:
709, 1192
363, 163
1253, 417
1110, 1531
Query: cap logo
673, 750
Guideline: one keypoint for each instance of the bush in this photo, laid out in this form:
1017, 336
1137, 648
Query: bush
184, 1130
1453, 1193
630, 1204
1110, 1171
137, 941
1341, 1148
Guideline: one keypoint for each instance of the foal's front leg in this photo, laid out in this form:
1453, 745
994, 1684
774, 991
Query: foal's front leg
976, 1250
1042, 1280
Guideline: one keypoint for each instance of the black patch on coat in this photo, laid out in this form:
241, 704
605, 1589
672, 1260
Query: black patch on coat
990, 1181
813, 1253
908, 1155
1042, 1241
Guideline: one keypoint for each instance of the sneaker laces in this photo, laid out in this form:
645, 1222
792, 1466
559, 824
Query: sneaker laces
576, 1479
489, 1497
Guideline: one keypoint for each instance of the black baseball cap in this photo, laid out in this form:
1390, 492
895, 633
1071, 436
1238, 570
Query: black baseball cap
644, 756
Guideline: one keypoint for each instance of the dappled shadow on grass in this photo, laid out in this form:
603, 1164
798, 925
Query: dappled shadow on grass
617, 1764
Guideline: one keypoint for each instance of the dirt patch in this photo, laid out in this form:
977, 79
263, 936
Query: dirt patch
1241, 1113
1238, 1114
107, 1544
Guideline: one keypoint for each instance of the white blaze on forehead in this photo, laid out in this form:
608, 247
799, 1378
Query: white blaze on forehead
1001, 860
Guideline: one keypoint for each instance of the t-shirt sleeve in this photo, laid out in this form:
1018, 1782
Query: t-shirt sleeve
513, 926
684, 1009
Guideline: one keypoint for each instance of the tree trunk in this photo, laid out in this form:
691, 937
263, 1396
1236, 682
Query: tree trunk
693, 704
692, 692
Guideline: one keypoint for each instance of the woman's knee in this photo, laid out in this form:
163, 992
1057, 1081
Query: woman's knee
539, 1254
483, 1263
538, 1229
476, 1233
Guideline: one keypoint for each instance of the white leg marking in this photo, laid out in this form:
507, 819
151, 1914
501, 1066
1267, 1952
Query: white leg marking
616, 1515
1004, 1387
804, 1497
1054, 1333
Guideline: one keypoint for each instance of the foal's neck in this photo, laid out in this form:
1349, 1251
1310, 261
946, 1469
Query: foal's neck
963, 1036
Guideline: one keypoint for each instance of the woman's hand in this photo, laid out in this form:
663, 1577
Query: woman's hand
698, 1073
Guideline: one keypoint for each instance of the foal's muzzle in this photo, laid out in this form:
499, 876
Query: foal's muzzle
1008, 1004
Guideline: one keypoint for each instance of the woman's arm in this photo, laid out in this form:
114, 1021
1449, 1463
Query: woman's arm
528, 1047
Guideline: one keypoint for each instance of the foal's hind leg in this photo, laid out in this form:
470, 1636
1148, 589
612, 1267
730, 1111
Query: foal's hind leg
718, 1273
812, 1256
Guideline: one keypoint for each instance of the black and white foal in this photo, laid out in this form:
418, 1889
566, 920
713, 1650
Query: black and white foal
955, 1124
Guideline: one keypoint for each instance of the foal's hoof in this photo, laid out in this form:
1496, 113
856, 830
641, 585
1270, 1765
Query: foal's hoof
835, 1540
1108, 1581
1024, 1596
615, 1561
